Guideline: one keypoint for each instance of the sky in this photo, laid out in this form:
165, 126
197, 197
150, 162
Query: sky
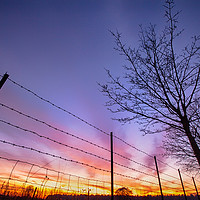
60, 50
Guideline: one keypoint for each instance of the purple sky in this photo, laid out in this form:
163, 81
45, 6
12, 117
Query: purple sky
59, 50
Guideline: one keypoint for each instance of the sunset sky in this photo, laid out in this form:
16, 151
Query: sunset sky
60, 50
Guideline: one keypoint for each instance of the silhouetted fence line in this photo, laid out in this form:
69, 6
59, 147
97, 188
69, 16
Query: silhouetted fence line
146, 180
84, 121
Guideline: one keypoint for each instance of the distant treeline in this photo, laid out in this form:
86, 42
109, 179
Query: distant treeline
7, 197
103, 197
99, 197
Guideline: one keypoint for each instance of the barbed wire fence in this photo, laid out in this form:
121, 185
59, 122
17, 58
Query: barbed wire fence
23, 178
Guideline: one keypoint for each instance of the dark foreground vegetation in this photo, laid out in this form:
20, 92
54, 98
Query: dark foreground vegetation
103, 197
99, 197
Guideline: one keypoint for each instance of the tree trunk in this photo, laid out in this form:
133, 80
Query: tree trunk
193, 143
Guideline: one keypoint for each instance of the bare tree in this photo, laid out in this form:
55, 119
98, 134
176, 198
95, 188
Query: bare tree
177, 145
160, 88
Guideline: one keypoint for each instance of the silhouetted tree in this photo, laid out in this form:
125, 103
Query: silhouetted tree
160, 89
177, 145
124, 191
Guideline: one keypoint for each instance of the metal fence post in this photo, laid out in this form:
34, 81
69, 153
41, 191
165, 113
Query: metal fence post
182, 184
195, 188
111, 150
159, 178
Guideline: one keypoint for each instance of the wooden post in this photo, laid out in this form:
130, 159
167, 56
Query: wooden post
111, 150
159, 178
182, 184
196, 188
3, 80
